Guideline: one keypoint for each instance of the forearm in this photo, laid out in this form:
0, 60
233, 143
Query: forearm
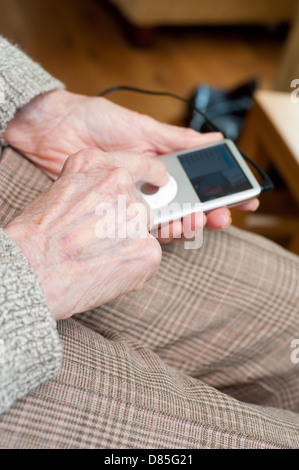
21, 80
30, 349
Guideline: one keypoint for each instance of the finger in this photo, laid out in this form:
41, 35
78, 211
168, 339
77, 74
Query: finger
140, 167
219, 218
143, 168
249, 205
166, 233
168, 138
87, 160
182, 229
193, 223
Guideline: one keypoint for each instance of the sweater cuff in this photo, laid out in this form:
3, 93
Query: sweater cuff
21, 80
30, 348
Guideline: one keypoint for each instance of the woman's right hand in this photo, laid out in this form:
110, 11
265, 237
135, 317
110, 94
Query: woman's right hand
62, 232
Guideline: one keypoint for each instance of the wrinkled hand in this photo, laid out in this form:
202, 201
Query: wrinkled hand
62, 232
59, 123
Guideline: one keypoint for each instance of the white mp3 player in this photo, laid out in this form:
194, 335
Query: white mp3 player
201, 179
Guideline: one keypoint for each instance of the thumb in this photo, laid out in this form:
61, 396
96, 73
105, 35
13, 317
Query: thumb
168, 138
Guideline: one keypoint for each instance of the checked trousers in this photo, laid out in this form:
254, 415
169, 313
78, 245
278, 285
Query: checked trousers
201, 357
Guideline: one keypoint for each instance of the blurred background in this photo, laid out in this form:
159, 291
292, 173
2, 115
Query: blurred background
184, 47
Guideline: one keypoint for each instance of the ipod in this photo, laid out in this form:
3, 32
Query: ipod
201, 179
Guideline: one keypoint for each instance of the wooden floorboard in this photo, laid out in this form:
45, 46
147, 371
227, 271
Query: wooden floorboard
82, 43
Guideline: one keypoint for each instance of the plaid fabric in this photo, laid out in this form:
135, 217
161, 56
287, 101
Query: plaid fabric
200, 358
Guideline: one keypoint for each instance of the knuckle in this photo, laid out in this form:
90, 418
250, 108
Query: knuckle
69, 164
76, 161
144, 164
82, 160
152, 252
156, 253
122, 178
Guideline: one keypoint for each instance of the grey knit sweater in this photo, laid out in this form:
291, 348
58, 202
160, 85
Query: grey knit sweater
30, 349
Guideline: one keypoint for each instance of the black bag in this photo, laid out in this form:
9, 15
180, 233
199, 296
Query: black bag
226, 109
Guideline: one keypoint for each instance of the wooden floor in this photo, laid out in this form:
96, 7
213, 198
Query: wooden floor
82, 43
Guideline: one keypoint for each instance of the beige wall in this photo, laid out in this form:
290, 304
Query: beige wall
163, 12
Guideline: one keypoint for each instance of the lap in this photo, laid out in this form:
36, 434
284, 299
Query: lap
150, 368
225, 314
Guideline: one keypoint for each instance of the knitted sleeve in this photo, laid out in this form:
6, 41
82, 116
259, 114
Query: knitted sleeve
30, 349
21, 80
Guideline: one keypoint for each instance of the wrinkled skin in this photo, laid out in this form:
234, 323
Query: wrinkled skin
95, 151
59, 123
58, 232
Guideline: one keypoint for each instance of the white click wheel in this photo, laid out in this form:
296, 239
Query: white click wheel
158, 197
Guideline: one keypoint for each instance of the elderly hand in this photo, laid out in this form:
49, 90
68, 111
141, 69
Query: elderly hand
59, 123
83, 251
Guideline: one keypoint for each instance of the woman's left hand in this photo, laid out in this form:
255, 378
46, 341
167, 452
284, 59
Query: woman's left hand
59, 123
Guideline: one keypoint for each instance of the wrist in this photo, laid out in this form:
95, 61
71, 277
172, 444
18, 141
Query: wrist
32, 245
33, 121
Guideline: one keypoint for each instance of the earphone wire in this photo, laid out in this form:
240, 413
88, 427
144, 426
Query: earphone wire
161, 93
267, 183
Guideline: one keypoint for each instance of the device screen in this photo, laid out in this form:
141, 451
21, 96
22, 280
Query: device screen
214, 172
